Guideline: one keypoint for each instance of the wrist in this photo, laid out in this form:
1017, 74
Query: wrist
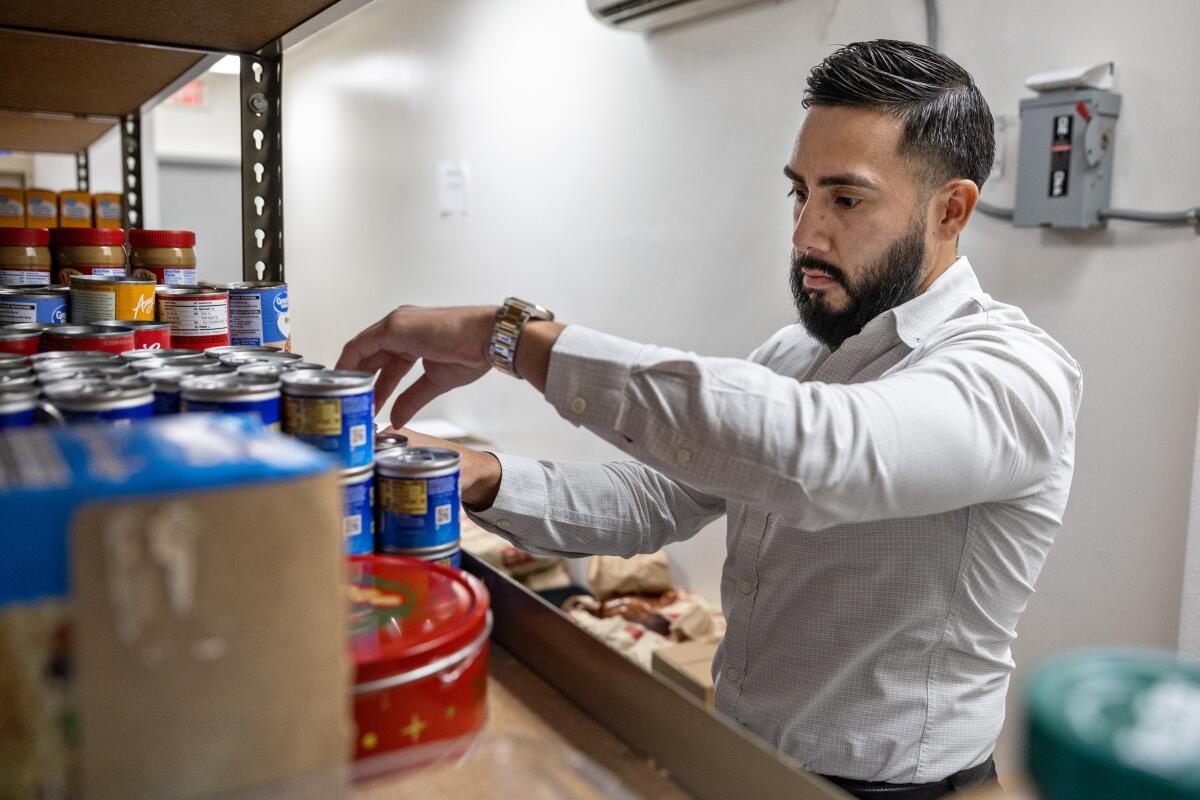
481, 476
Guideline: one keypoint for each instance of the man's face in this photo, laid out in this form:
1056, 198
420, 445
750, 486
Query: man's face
859, 221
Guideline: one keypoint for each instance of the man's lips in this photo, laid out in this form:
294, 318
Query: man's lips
817, 279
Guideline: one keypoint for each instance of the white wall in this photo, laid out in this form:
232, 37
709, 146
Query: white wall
633, 184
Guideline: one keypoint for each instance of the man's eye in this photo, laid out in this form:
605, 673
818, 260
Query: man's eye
798, 195
848, 202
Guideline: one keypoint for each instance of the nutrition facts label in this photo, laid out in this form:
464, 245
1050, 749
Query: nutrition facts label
195, 317
245, 313
93, 305
19, 277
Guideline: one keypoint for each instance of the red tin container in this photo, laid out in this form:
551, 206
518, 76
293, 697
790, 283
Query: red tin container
419, 636
24, 343
147, 334
87, 337
198, 315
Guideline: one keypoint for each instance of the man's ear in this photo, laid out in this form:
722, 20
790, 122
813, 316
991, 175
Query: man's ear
951, 207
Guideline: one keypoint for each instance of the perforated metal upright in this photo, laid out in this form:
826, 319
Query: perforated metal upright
131, 171
262, 164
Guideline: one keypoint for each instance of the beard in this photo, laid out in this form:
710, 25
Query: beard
885, 284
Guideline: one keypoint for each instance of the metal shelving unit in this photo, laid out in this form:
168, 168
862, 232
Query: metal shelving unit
72, 72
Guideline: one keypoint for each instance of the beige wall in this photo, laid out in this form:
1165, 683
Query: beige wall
633, 184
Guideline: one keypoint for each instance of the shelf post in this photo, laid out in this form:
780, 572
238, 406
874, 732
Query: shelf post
131, 171
262, 164
83, 172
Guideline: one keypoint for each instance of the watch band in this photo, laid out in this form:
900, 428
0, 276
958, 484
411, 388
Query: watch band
506, 332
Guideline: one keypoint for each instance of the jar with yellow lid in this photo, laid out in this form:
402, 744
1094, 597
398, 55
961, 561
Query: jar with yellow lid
24, 256
166, 257
88, 251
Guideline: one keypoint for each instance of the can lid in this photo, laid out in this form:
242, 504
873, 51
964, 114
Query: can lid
326, 381
17, 380
69, 237
163, 352
24, 237
139, 237
249, 286
272, 367
103, 389
11, 359
229, 385
55, 357
167, 376
247, 357
1115, 723
390, 440
89, 331
410, 460
406, 614
76, 370
17, 335
13, 391
220, 350
132, 324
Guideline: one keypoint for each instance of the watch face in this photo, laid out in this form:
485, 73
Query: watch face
532, 309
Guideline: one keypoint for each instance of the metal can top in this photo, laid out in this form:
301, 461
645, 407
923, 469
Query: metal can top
228, 387
89, 331
14, 392
87, 392
25, 327
250, 286
84, 371
7, 335
407, 614
322, 382
56, 358
167, 379
216, 352
389, 440
8, 360
33, 291
164, 352
132, 324
357, 474
18, 379
92, 281
185, 291
144, 364
415, 461
275, 368
247, 357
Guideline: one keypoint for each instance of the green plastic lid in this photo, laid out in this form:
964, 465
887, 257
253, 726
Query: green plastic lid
1119, 724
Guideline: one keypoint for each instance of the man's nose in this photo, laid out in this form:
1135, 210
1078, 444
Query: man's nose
810, 231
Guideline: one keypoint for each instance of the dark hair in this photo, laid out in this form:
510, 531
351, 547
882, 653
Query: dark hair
947, 123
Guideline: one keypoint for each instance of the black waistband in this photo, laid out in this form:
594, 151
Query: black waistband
967, 778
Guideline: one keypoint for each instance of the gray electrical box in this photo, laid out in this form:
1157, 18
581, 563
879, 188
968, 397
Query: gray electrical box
1064, 170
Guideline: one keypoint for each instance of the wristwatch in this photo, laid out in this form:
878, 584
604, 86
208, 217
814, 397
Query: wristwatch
510, 319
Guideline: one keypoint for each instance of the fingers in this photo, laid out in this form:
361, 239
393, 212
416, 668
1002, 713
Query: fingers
390, 374
366, 344
413, 399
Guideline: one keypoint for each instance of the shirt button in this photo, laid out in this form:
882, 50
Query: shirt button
746, 586
502, 524
732, 675
578, 405
684, 457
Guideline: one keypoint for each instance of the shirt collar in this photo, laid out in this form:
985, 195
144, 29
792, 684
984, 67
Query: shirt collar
917, 318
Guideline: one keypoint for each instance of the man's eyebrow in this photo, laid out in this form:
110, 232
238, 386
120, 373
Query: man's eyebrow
849, 179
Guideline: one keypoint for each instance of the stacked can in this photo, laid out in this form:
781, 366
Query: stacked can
198, 315
100, 298
418, 502
334, 411
167, 378
148, 334
20, 342
87, 337
20, 304
259, 314
119, 400
255, 395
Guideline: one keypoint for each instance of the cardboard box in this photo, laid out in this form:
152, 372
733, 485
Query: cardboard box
41, 208
74, 210
688, 666
106, 210
175, 586
12, 208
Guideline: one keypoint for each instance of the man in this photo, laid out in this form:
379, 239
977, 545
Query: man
894, 467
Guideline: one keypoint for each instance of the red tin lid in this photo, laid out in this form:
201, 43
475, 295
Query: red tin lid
139, 237
68, 237
24, 237
406, 614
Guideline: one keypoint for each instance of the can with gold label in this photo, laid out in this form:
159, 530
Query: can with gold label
417, 499
333, 410
97, 298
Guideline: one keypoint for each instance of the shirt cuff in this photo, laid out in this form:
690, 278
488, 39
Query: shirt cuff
518, 513
588, 375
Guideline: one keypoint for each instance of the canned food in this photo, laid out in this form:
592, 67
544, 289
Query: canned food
87, 251
165, 257
232, 394
215, 353
99, 298
56, 359
275, 368
389, 440
84, 372
134, 356
148, 364
88, 337
20, 343
358, 516
24, 256
239, 359
15, 377
198, 315
449, 555
119, 400
333, 410
418, 498
419, 635
17, 402
258, 314
13, 361
33, 304
166, 382
148, 335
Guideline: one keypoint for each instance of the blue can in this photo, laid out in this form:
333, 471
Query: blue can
17, 401
448, 556
259, 314
121, 400
166, 382
358, 515
256, 395
33, 304
333, 410
418, 498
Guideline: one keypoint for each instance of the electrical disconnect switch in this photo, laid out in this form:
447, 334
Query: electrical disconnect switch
1064, 169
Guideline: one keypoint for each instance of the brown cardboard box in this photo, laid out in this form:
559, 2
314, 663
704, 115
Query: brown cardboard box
41, 208
12, 208
106, 210
74, 210
689, 667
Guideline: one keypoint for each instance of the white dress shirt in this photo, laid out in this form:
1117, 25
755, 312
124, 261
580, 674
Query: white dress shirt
890, 505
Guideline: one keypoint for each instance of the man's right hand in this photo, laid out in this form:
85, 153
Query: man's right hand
481, 473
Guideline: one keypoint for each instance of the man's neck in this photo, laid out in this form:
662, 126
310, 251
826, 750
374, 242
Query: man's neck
943, 259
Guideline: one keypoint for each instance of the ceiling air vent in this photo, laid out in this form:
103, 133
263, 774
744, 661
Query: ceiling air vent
648, 15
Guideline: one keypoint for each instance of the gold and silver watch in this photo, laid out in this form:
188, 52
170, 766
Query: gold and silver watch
510, 319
